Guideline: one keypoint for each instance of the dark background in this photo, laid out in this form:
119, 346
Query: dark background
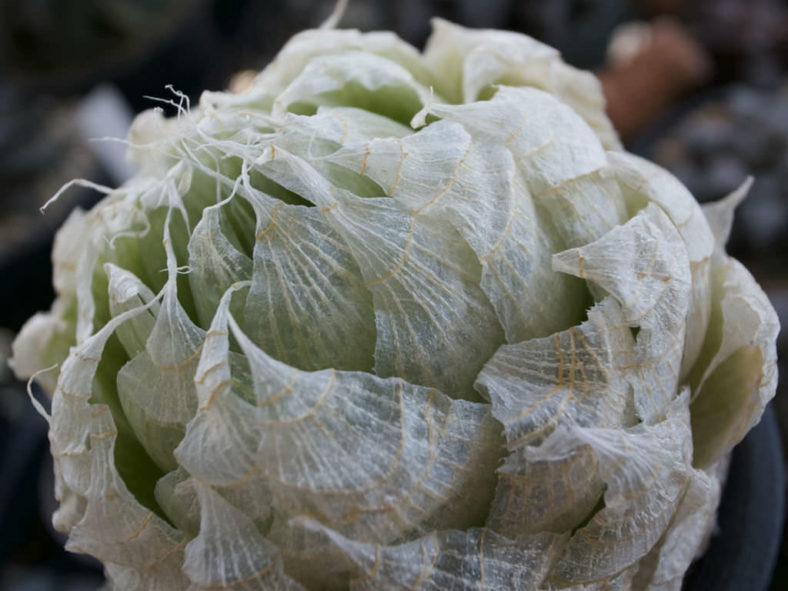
698, 86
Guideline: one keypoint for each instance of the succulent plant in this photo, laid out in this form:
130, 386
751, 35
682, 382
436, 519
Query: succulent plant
397, 319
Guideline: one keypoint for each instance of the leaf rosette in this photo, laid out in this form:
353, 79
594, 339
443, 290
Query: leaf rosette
395, 319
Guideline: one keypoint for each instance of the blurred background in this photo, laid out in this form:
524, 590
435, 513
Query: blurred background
699, 86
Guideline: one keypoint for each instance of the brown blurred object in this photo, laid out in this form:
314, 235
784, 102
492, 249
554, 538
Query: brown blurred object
242, 81
644, 82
